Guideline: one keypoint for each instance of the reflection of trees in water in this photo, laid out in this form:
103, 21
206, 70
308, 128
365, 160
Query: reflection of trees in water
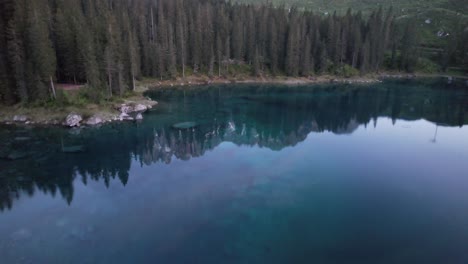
244, 116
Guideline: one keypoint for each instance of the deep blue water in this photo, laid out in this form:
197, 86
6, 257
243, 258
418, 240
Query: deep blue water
325, 174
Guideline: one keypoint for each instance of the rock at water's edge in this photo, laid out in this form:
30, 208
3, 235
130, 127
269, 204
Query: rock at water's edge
125, 116
125, 109
132, 107
73, 120
20, 118
94, 120
140, 108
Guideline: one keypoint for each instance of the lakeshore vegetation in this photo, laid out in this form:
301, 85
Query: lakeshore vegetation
107, 45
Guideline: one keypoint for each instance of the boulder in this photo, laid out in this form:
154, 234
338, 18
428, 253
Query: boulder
132, 107
140, 108
20, 118
94, 120
139, 116
125, 116
73, 120
75, 131
124, 108
185, 125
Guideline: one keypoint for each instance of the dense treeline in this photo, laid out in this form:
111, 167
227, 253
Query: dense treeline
108, 44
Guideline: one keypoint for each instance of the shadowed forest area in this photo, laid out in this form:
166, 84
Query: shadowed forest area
107, 45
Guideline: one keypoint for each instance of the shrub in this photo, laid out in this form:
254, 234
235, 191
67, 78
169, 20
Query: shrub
344, 71
427, 66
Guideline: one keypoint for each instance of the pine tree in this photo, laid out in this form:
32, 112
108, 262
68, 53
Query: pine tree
292, 51
181, 33
273, 46
355, 44
365, 56
251, 39
111, 62
237, 37
322, 58
7, 94
409, 48
17, 50
41, 55
306, 57
171, 55
162, 45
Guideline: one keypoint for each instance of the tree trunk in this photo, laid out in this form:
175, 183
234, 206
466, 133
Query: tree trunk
54, 95
133, 81
183, 69
152, 26
109, 77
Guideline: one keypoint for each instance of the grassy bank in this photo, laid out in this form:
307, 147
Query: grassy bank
54, 112
195, 80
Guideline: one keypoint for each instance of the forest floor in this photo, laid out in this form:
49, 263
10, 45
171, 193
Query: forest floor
197, 80
108, 111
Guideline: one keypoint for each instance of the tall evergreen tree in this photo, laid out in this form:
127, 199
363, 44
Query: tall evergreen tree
41, 64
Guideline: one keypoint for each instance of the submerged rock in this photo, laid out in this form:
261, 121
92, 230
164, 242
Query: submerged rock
73, 120
185, 125
73, 149
22, 138
16, 155
75, 131
139, 116
94, 120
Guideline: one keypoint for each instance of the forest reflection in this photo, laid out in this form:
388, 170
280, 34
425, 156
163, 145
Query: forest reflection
51, 159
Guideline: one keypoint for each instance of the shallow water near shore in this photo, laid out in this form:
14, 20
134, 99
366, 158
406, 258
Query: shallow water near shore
247, 174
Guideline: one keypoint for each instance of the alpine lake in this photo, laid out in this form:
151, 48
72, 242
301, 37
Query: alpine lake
327, 174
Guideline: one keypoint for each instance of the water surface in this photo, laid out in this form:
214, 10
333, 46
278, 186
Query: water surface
263, 174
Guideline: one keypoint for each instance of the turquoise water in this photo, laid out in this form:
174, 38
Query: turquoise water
264, 174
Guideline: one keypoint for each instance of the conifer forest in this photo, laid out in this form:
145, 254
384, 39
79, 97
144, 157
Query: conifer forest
107, 45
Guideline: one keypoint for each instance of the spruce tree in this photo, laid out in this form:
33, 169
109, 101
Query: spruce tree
41, 55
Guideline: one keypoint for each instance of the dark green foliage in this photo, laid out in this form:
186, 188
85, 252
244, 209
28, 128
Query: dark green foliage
409, 48
108, 45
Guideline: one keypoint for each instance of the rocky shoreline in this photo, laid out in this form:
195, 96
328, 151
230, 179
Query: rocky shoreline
126, 111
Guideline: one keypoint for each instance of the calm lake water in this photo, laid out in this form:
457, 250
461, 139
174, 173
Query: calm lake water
324, 174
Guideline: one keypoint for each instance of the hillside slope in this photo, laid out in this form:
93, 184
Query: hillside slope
436, 19
401, 6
